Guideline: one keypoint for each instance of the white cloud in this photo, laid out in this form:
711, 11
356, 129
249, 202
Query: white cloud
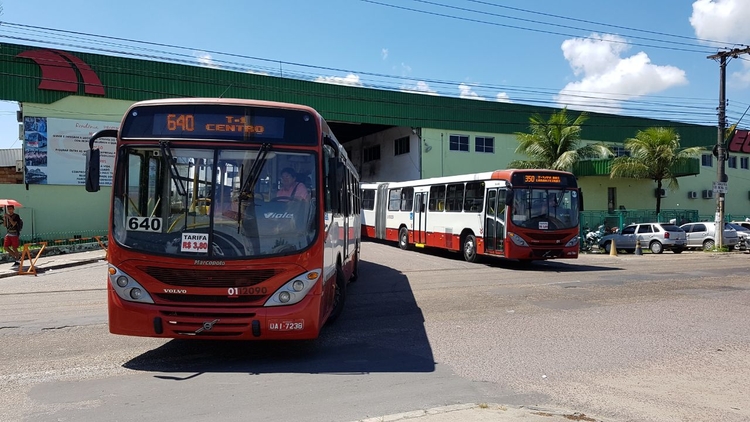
608, 78
721, 20
384, 53
502, 97
420, 87
205, 59
724, 20
467, 93
350, 79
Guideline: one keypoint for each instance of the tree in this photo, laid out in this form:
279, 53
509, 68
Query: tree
654, 153
556, 143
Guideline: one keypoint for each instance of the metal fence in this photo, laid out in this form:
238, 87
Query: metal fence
65, 238
591, 220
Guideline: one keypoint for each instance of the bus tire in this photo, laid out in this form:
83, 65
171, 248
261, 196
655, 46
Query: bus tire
470, 248
339, 296
403, 238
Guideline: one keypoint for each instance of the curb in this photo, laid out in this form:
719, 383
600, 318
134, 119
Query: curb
494, 412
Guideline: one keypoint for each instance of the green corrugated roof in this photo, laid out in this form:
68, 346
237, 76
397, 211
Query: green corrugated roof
134, 79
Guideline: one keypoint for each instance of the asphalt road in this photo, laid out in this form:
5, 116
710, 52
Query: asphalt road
653, 337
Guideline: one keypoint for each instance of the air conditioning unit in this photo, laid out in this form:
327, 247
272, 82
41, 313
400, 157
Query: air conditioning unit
708, 194
660, 193
692, 194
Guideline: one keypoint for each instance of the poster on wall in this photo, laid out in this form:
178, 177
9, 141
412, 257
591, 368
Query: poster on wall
55, 150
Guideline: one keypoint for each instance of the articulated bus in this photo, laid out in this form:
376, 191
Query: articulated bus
200, 243
518, 214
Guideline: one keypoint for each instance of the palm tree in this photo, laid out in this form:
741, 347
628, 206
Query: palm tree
654, 153
555, 144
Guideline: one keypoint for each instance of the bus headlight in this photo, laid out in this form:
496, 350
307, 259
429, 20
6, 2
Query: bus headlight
517, 240
295, 289
126, 287
572, 242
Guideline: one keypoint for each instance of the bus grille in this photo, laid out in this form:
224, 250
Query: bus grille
209, 278
546, 237
224, 300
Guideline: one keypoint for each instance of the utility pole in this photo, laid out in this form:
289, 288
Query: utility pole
720, 148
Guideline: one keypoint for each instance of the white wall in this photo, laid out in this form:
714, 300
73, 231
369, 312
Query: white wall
390, 167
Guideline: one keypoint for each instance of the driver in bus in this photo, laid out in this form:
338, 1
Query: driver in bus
290, 187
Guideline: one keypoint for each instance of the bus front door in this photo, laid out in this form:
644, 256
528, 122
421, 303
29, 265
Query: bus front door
494, 221
419, 222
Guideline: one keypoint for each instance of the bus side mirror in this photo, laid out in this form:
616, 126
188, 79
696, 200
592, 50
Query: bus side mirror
92, 170
509, 196
92, 160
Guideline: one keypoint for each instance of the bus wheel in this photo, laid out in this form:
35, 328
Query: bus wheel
339, 295
403, 238
470, 248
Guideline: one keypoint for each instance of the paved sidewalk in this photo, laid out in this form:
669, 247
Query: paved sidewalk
484, 413
52, 262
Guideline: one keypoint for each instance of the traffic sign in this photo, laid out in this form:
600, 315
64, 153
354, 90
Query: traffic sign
720, 187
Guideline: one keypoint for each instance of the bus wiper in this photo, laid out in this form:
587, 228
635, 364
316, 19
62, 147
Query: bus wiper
167, 153
248, 187
254, 173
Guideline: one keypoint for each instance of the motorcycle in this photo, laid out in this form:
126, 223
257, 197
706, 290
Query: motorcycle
592, 238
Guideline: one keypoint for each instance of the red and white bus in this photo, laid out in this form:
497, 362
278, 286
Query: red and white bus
200, 244
517, 214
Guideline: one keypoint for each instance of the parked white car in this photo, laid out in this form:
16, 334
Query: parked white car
702, 235
653, 236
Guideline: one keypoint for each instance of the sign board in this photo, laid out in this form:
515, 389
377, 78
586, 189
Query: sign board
55, 150
720, 187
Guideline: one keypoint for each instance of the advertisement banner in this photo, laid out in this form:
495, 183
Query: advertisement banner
55, 150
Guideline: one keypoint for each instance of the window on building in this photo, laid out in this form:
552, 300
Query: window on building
744, 162
732, 162
707, 160
401, 145
484, 144
371, 153
619, 151
459, 143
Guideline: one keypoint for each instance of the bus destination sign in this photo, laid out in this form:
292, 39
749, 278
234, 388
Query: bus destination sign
542, 178
217, 125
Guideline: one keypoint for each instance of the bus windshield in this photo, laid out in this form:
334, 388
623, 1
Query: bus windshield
215, 204
545, 209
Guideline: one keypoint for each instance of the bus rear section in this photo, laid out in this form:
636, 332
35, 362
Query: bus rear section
219, 225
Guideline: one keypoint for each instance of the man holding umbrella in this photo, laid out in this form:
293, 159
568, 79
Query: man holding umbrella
14, 225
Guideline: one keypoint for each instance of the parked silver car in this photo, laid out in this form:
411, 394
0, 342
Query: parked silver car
655, 236
702, 235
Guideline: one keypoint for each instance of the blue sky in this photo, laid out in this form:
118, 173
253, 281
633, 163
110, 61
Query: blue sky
637, 58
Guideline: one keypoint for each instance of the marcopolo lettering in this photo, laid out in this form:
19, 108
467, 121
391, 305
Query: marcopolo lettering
204, 262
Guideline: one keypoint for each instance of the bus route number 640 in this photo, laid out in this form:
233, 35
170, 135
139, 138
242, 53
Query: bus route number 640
144, 224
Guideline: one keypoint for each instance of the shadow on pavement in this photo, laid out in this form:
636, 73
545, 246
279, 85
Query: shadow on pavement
381, 330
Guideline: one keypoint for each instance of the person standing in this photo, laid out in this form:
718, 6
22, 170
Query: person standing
14, 225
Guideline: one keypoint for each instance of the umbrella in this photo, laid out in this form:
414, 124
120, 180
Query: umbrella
6, 202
